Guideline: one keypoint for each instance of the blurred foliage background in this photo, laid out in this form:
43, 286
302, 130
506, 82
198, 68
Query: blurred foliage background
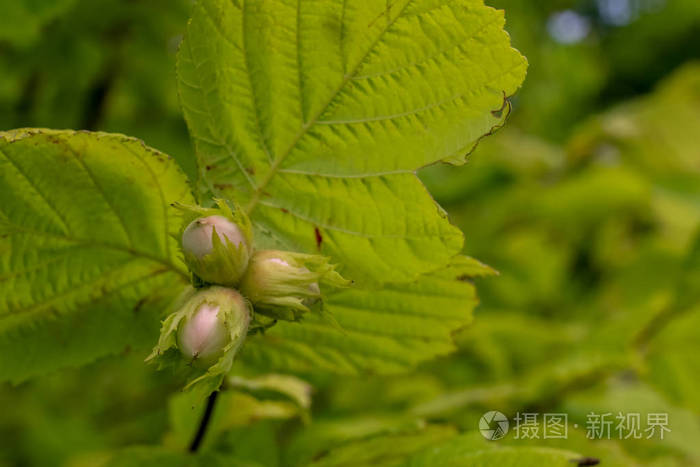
587, 203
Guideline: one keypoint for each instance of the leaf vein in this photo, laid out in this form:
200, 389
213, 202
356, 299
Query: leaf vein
353, 232
231, 153
90, 243
48, 203
302, 131
102, 192
166, 217
456, 45
253, 92
419, 110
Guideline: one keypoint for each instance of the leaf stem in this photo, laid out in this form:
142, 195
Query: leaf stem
204, 423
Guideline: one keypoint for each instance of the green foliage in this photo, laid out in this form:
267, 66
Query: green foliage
384, 450
302, 122
303, 168
677, 444
432, 445
104, 65
315, 117
376, 243
383, 330
159, 457
22, 20
597, 249
569, 82
673, 363
88, 261
459, 452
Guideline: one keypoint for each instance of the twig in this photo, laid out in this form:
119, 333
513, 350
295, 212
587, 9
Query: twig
204, 423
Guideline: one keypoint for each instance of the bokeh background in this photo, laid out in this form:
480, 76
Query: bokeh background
587, 203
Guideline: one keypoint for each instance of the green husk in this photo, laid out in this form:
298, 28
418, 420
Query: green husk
288, 291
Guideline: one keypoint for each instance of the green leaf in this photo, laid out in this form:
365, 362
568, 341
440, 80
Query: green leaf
630, 397
436, 445
669, 340
327, 434
155, 456
277, 386
458, 453
673, 363
689, 286
386, 330
315, 115
87, 257
653, 132
384, 450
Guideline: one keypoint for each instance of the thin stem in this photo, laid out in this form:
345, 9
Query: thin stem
204, 423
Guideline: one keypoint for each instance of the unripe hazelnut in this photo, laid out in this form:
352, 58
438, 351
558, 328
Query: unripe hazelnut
282, 267
283, 284
203, 336
216, 249
214, 318
270, 274
197, 237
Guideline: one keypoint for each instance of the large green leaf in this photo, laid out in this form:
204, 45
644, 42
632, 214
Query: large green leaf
384, 450
456, 454
155, 456
87, 258
385, 330
438, 445
315, 115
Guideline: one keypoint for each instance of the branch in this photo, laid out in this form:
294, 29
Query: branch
204, 423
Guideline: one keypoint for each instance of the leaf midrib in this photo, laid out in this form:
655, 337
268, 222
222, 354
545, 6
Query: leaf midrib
22, 313
303, 130
130, 249
86, 242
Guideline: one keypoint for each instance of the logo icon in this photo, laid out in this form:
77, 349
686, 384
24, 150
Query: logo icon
493, 425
